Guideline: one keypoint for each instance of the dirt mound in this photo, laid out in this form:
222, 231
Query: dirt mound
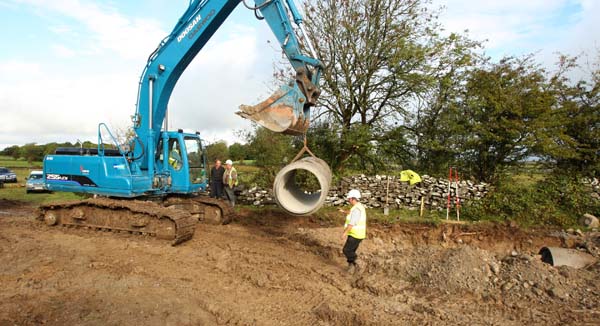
461, 269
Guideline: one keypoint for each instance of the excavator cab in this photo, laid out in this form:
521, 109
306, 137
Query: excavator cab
180, 162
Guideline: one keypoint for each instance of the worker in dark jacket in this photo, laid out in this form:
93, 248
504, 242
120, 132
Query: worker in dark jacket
216, 180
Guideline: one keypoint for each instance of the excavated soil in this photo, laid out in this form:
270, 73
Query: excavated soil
271, 269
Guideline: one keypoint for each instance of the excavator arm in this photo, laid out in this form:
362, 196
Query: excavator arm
287, 111
168, 166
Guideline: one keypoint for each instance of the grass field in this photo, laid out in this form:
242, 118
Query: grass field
16, 191
9, 162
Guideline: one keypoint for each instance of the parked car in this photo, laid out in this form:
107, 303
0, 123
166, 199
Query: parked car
35, 182
7, 175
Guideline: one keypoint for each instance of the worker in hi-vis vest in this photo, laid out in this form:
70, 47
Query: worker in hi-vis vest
230, 180
355, 229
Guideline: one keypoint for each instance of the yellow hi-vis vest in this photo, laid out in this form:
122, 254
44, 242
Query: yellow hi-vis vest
229, 176
358, 231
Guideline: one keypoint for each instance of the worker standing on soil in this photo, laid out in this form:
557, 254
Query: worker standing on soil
216, 180
355, 229
230, 181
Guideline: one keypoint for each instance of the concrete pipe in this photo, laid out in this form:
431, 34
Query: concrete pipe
291, 197
556, 256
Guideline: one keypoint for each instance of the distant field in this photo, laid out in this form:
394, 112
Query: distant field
9, 162
17, 192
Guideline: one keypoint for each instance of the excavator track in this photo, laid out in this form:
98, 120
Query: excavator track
132, 216
206, 209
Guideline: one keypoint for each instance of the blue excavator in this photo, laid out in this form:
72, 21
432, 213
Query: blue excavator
152, 185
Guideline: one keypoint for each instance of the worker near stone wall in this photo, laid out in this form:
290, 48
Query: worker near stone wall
355, 229
216, 180
230, 181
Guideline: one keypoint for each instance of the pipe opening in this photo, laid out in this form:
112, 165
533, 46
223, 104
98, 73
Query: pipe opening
301, 187
556, 256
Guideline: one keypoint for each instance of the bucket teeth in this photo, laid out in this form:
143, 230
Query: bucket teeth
280, 118
276, 114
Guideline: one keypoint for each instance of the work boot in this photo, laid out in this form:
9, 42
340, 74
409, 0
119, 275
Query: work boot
351, 268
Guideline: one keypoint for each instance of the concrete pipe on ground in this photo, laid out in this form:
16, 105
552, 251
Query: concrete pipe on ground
556, 256
291, 197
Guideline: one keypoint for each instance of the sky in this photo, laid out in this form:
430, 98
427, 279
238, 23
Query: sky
67, 65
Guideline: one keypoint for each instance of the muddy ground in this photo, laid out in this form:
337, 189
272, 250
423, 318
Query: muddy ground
278, 270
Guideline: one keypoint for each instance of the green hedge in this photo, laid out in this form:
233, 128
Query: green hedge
557, 200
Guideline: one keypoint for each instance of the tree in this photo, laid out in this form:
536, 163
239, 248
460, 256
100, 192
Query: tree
217, 150
574, 146
238, 151
505, 114
393, 147
12, 151
50, 148
380, 57
435, 125
32, 152
270, 149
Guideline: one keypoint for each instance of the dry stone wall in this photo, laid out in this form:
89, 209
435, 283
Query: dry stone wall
594, 184
381, 189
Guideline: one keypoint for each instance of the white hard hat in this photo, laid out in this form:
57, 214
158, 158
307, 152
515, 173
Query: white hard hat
228, 162
354, 193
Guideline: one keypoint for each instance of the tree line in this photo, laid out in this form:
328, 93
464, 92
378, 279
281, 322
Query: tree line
397, 92
33, 152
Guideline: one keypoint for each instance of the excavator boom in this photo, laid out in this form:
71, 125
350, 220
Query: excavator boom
168, 168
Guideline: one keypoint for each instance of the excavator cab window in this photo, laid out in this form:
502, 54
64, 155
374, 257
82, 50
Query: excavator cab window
196, 159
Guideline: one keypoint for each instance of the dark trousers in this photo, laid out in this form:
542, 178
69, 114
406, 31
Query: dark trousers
216, 189
350, 249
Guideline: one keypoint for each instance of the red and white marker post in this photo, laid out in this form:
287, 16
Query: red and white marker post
457, 202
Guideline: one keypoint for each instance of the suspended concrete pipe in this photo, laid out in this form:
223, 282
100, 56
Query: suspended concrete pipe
556, 256
291, 197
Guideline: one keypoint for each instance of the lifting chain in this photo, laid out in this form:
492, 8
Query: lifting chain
302, 151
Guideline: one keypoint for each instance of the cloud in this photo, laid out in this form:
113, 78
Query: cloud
583, 35
516, 27
16, 68
99, 54
104, 27
231, 72
62, 51
40, 109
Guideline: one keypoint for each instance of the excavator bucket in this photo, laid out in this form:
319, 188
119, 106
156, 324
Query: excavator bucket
285, 111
